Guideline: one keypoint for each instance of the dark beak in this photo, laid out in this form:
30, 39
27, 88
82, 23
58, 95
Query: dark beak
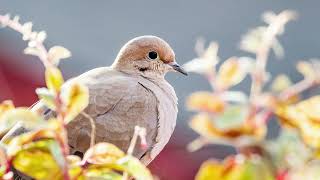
178, 68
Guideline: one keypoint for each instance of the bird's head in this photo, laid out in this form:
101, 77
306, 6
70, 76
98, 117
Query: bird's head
149, 56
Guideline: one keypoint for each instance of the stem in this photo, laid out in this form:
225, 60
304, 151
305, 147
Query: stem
269, 36
62, 137
19, 28
93, 129
133, 140
138, 132
298, 88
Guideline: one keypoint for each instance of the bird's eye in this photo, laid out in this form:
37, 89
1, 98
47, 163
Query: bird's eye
153, 55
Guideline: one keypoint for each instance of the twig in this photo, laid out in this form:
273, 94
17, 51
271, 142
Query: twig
269, 36
15, 25
138, 132
298, 88
93, 129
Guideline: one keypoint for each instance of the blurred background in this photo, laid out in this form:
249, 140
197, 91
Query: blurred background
94, 31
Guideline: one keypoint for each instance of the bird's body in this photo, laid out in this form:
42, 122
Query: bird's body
132, 92
118, 102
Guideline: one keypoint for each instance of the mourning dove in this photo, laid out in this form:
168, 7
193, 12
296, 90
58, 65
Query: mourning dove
132, 91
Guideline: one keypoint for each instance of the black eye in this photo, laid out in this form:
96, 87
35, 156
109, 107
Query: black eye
153, 55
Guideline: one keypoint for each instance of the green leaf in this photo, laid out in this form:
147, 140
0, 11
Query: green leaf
76, 98
36, 161
47, 97
234, 116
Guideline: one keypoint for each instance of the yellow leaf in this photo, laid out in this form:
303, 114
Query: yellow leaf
205, 101
54, 79
237, 167
37, 162
47, 97
210, 170
206, 127
311, 108
15, 145
103, 153
75, 98
306, 69
98, 172
304, 116
280, 83
232, 72
5, 106
134, 167
58, 52
28, 118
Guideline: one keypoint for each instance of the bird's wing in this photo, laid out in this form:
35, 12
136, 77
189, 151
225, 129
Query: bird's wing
167, 114
117, 103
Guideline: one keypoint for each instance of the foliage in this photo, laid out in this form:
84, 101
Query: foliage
43, 153
234, 118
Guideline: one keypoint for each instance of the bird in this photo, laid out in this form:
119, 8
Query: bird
131, 92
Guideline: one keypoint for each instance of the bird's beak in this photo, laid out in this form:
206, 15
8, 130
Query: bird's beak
178, 68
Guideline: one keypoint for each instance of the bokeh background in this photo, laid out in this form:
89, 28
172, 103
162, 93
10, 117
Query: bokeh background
94, 31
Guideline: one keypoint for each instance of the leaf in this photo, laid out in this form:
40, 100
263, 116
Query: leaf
36, 161
97, 172
58, 52
32, 51
233, 117
210, 170
202, 124
76, 98
6, 106
30, 119
56, 153
304, 116
206, 62
252, 41
17, 143
41, 36
288, 150
134, 167
234, 96
103, 153
238, 167
310, 170
54, 79
75, 169
47, 97
280, 83
205, 101
306, 69
232, 72
233, 133
277, 48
